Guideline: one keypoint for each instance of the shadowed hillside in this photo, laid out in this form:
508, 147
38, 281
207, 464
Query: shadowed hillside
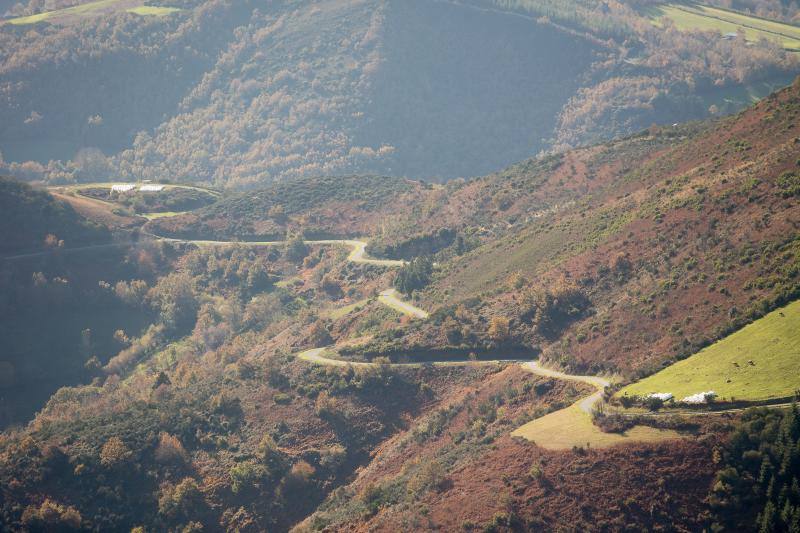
238, 95
460, 91
76, 86
57, 305
32, 220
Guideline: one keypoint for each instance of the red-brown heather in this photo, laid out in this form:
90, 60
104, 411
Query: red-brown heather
280, 379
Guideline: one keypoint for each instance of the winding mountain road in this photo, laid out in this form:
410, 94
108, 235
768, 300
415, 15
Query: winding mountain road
585, 404
317, 356
559, 425
562, 429
389, 298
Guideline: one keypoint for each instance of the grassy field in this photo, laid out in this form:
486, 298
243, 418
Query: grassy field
154, 11
771, 343
573, 426
699, 17
564, 429
165, 214
92, 8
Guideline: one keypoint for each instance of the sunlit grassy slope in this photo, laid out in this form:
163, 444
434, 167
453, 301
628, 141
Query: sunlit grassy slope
570, 427
90, 8
700, 17
153, 10
758, 362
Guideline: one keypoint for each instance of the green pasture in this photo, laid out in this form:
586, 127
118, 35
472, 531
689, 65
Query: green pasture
758, 362
154, 11
90, 8
691, 17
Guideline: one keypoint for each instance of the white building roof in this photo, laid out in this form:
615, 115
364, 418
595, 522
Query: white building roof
663, 396
151, 188
700, 397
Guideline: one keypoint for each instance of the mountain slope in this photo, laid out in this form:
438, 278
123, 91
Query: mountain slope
391, 87
669, 240
235, 95
695, 227
31, 215
616, 258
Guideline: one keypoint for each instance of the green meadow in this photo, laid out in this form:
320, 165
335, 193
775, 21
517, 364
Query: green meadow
88, 9
758, 362
154, 11
691, 17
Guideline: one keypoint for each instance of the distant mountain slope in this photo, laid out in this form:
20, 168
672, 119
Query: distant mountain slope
237, 95
100, 81
419, 89
30, 215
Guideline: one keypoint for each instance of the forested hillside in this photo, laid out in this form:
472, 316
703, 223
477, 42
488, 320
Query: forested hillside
236, 95
227, 398
401, 88
399, 265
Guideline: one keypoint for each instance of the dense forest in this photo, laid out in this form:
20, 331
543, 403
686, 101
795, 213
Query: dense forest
786, 10
757, 488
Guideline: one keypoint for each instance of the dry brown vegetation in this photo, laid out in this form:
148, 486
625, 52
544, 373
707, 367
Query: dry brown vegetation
203, 416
